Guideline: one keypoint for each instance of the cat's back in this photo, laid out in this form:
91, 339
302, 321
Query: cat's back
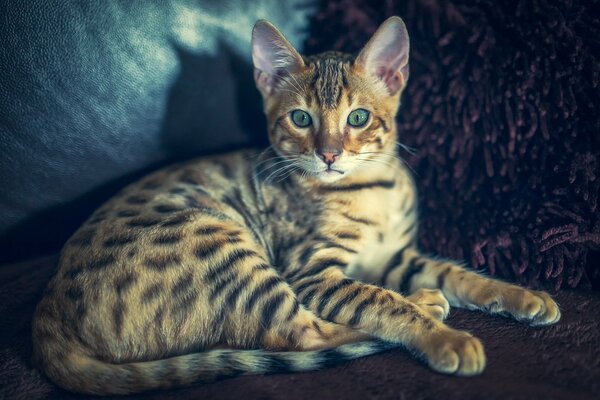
144, 213
139, 248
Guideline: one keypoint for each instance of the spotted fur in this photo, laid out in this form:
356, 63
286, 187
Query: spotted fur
256, 262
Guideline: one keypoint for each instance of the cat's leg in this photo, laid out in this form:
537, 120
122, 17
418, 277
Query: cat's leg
261, 310
324, 289
310, 332
431, 300
409, 271
378, 264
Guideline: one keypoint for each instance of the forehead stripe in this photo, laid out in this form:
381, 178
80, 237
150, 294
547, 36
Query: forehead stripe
329, 80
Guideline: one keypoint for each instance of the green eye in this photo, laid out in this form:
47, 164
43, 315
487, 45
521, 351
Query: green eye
301, 118
358, 117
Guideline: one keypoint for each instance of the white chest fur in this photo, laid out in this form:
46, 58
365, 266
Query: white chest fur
396, 213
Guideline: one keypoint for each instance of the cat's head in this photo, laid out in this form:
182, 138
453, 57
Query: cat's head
332, 113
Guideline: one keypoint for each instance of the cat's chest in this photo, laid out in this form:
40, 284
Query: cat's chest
382, 216
378, 208
390, 224
375, 214
289, 218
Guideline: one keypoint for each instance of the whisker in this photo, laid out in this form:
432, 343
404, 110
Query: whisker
274, 171
262, 153
275, 157
276, 164
286, 175
387, 153
278, 160
385, 163
274, 174
408, 149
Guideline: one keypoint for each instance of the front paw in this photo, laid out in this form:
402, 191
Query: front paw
535, 307
455, 352
432, 301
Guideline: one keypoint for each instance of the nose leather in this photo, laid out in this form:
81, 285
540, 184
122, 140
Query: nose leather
328, 143
329, 156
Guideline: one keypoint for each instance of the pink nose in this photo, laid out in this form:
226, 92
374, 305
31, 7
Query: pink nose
328, 156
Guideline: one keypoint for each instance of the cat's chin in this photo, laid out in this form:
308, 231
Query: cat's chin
330, 175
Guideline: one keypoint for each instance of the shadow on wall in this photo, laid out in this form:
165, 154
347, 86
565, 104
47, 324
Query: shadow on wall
212, 104
231, 105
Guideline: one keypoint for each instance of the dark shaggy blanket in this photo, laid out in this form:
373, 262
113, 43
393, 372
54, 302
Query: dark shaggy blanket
557, 362
503, 109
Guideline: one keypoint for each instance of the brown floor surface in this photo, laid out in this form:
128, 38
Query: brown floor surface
558, 362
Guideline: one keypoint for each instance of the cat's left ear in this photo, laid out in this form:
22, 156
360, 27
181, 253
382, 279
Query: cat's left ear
273, 56
386, 54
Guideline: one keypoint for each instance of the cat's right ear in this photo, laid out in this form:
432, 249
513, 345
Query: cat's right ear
273, 57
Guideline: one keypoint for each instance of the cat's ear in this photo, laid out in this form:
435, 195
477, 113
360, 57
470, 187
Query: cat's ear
273, 56
386, 54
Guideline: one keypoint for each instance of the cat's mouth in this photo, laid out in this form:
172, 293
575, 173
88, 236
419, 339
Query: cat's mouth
333, 171
330, 174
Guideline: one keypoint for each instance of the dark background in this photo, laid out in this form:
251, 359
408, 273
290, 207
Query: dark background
501, 107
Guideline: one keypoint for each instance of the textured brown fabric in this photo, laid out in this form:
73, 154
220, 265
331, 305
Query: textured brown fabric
503, 109
558, 362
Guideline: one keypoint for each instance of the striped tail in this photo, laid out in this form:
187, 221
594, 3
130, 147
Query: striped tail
91, 376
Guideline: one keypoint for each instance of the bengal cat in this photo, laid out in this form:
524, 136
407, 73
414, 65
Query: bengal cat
286, 260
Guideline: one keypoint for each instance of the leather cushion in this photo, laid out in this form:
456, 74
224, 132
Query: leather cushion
93, 94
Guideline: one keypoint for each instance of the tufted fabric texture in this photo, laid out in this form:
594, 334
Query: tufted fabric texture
503, 109
557, 362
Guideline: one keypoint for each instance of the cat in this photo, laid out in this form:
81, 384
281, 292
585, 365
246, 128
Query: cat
289, 259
